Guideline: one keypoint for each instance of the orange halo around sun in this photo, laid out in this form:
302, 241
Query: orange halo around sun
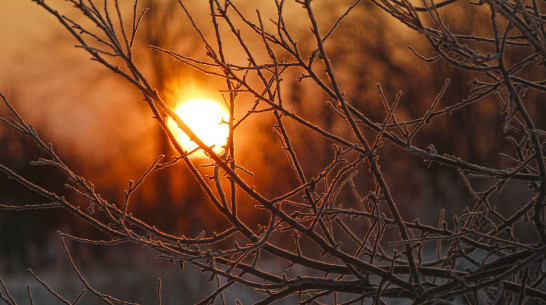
204, 117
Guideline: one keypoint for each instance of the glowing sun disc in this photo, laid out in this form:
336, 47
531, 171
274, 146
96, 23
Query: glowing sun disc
204, 117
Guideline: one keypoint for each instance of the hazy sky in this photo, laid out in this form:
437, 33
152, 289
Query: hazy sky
46, 79
21, 27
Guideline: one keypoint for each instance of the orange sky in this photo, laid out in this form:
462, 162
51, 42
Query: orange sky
21, 24
47, 80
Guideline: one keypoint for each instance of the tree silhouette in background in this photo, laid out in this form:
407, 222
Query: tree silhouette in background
324, 216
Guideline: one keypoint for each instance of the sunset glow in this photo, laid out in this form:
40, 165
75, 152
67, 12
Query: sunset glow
204, 117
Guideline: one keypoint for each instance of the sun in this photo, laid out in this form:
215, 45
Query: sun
206, 118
